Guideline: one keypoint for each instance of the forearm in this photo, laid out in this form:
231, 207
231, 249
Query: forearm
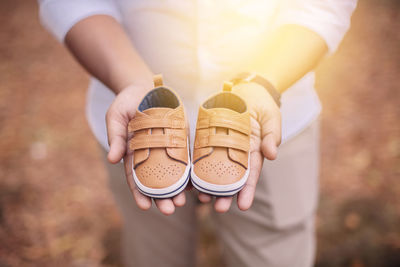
102, 47
291, 52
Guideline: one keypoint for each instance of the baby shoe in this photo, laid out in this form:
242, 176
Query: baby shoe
160, 145
222, 142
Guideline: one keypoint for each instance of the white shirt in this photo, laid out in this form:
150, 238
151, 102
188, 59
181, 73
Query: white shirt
197, 45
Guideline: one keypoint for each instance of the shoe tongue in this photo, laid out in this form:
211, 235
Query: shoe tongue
157, 111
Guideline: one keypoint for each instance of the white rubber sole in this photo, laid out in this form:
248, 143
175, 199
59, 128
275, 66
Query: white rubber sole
166, 192
216, 189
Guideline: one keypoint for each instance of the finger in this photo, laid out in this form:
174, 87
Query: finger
271, 135
143, 202
268, 147
189, 186
246, 195
116, 132
204, 198
166, 206
222, 204
179, 200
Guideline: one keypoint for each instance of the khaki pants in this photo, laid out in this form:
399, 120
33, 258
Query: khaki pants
278, 230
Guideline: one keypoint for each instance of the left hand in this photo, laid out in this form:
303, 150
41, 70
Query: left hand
264, 141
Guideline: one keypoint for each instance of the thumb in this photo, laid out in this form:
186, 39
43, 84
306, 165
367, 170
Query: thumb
271, 137
117, 135
269, 147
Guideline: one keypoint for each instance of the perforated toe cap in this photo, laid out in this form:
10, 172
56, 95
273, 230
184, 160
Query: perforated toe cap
160, 175
218, 171
159, 170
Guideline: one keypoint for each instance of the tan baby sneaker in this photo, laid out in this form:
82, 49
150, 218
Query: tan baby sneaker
221, 148
161, 162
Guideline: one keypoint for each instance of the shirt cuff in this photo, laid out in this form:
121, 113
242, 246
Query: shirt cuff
58, 16
329, 19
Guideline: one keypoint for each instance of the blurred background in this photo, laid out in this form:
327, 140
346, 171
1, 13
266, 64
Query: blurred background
55, 208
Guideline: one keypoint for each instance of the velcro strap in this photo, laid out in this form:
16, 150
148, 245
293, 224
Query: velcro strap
219, 120
147, 123
156, 140
221, 140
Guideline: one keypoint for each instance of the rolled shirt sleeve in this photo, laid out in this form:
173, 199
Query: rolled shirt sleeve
58, 16
328, 18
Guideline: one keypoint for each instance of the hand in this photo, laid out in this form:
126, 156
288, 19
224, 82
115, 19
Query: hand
120, 112
265, 139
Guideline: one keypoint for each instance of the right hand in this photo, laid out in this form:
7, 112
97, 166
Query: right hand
120, 112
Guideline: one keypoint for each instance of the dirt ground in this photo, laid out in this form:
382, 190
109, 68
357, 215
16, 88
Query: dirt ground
56, 210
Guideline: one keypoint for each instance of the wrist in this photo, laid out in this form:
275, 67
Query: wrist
135, 90
265, 83
142, 83
121, 75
